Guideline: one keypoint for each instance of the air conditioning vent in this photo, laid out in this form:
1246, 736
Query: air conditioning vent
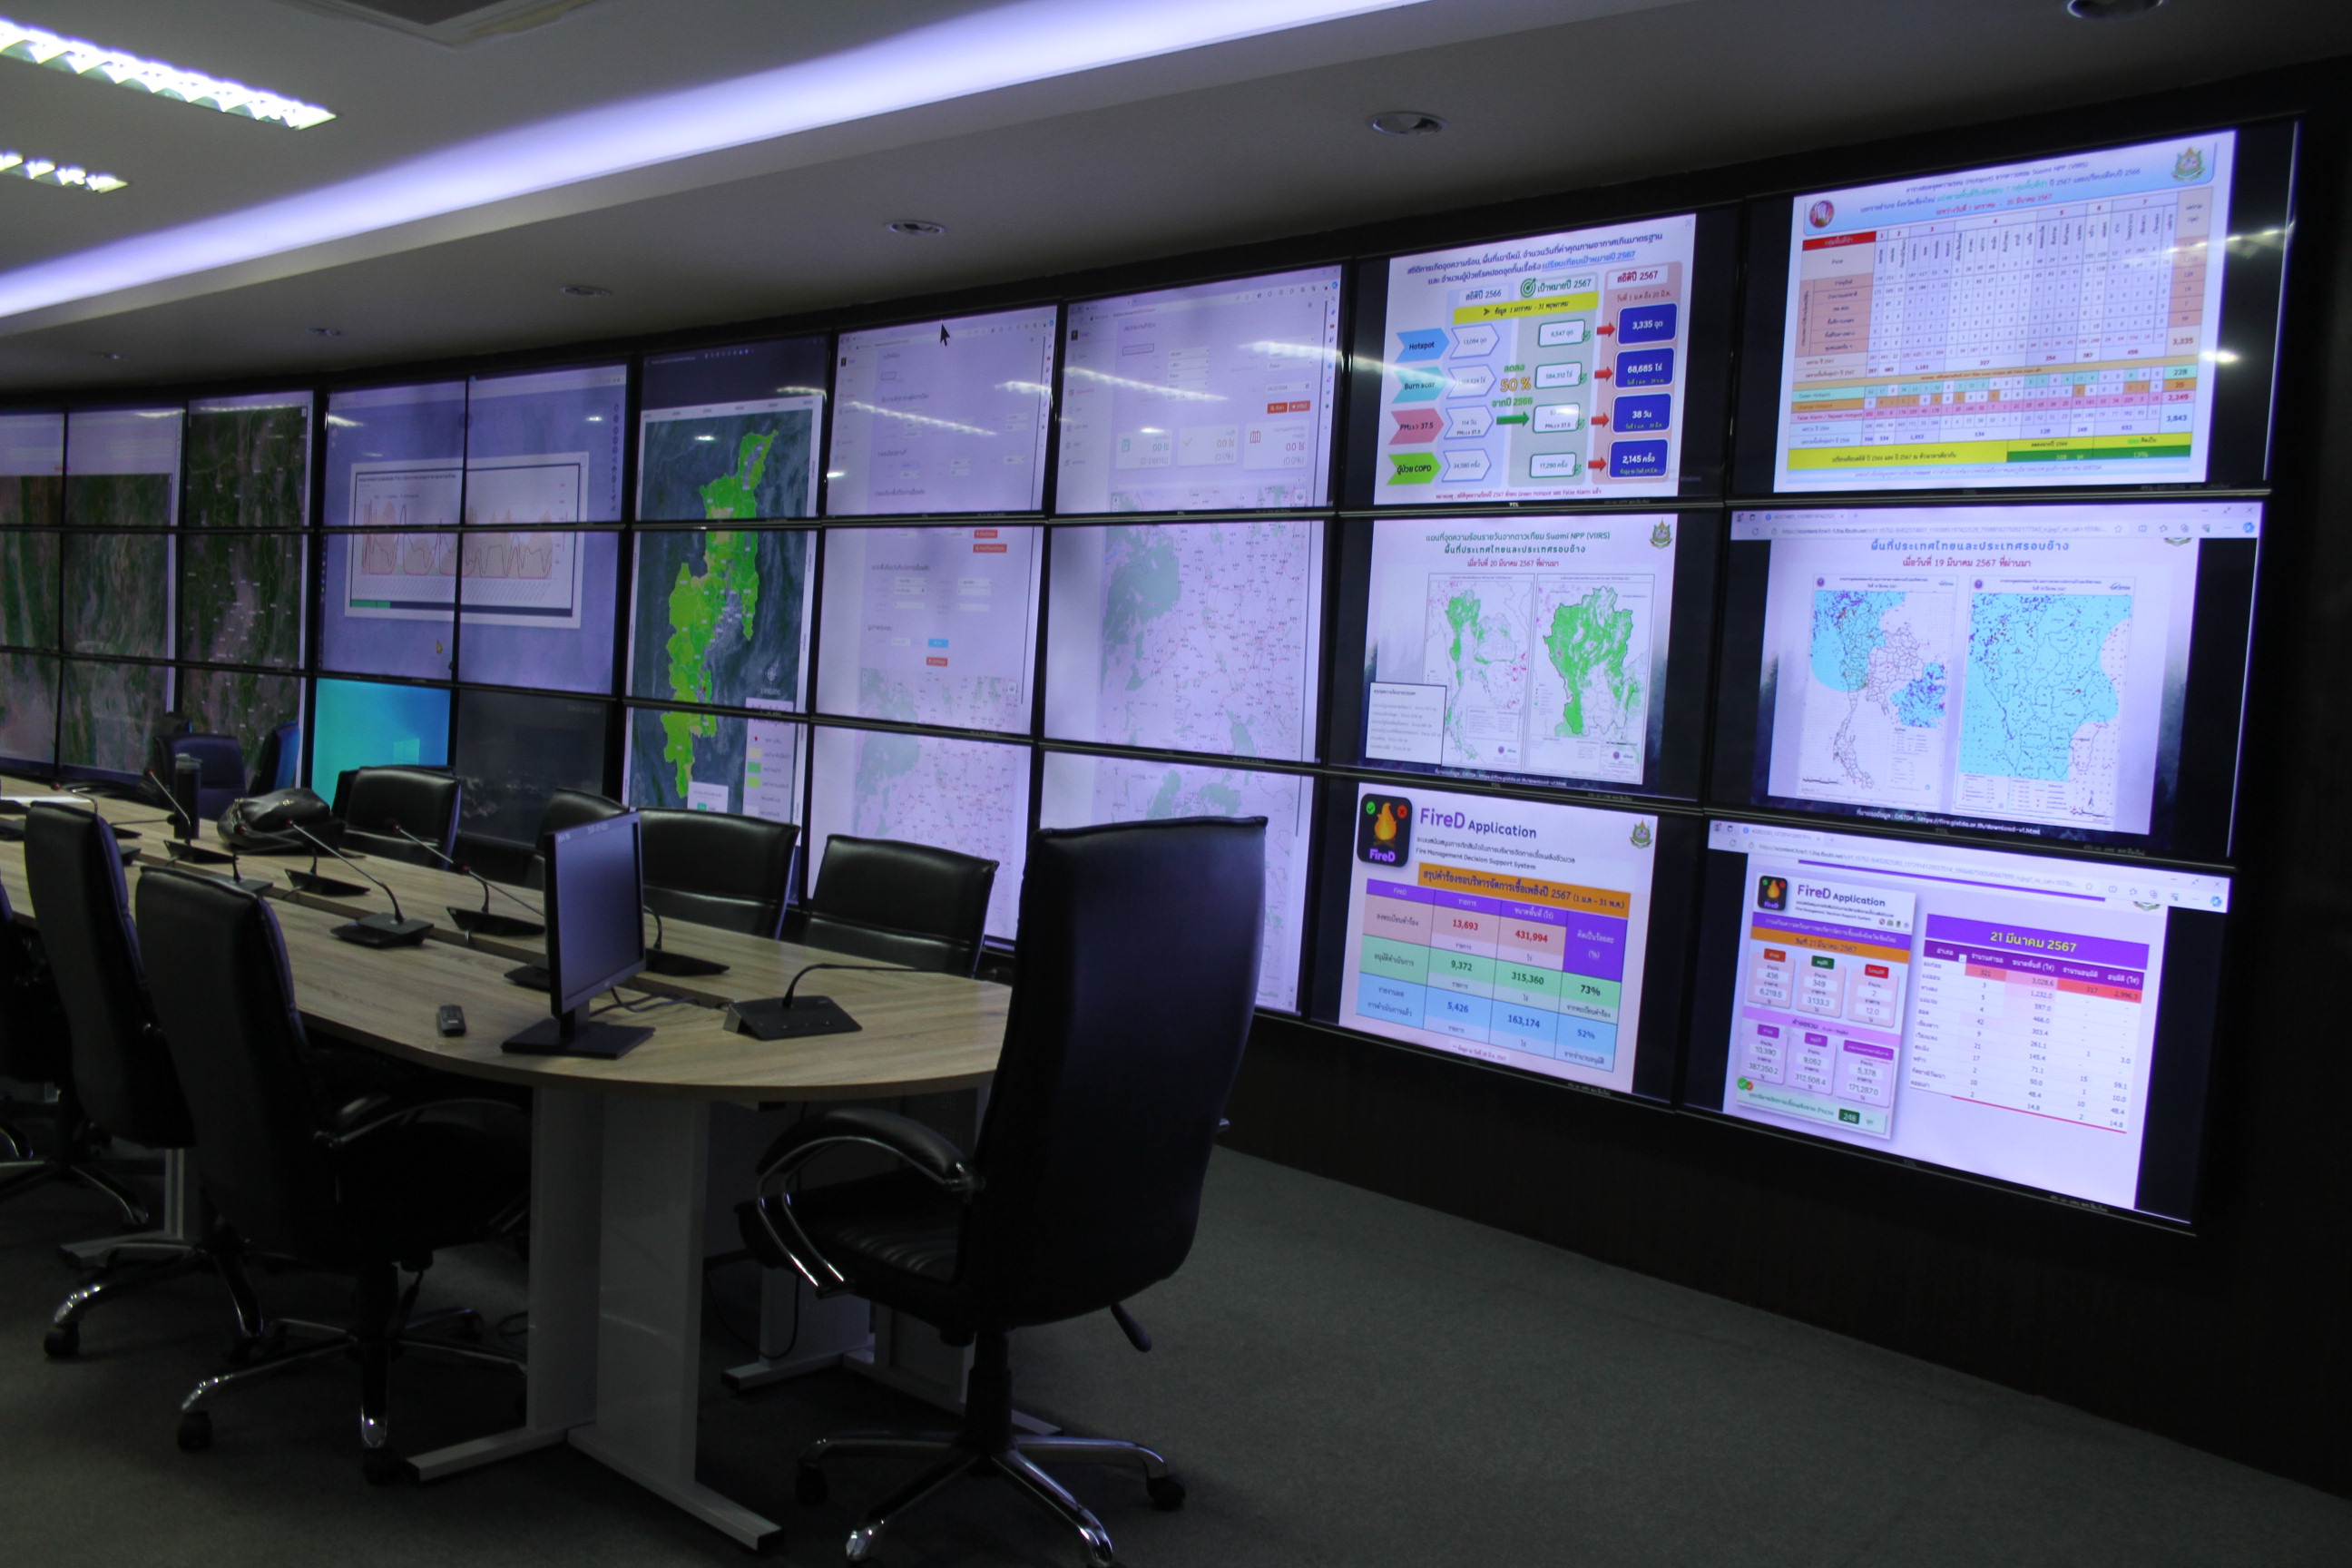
449, 21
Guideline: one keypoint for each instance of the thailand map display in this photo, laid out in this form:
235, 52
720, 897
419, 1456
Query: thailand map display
1878, 669
720, 620
2043, 324
1543, 368
1536, 648
241, 598
729, 462
1082, 791
1187, 637
2046, 672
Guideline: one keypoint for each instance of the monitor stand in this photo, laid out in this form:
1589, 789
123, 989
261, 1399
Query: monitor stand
572, 1034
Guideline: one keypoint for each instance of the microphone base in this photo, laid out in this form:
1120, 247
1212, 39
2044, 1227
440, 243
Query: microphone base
384, 930
769, 1019
194, 856
680, 966
482, 922
325, 886
530, 977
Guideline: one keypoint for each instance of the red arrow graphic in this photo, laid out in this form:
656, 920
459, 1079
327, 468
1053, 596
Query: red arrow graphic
1609, 329
1602, 374
1597, 463
1600, 419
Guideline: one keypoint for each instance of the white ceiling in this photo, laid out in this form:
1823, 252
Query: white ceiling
1239, 142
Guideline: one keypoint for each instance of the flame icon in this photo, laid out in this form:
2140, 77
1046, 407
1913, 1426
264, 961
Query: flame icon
1384, 826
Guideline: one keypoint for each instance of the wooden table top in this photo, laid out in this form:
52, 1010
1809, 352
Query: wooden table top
922, 1033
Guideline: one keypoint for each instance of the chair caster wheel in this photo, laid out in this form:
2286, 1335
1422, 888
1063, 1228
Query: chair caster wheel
62, 1343
861, 1543
381, 1466
196, 1431
1166, 1493
809, 1487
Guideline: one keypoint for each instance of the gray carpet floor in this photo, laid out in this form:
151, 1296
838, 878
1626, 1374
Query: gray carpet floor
1340, 1379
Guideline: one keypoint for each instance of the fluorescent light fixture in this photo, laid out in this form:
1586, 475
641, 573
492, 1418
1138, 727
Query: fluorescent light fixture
78, 57
50, 171
983, 51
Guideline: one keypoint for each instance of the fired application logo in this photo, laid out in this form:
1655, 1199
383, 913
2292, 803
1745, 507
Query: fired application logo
1820, 214
1771, 893
1385, 830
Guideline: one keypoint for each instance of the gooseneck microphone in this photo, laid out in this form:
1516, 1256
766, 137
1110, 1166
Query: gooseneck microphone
184, 852
789, 1017
378, 930
481, 922
676, 965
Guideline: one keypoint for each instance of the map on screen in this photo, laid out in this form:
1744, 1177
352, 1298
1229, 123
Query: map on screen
971, 796
1541, 369
729, 462
942, 416
2043, 324
1214, 396
931, 625
1187, 637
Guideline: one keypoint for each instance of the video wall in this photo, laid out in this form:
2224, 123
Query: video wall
1819, 710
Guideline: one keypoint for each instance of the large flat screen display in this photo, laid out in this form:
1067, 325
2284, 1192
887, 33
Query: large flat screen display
1081, 791
28, 709
712, 761
971, 796
396, 456
1212, 397
240, 703
28, 589
2053, 322
1540, 647
1521, 933
31, 469
545, 447
396, 470
942, 416
2044, 1022
2061, 671
364, 724
731, 435
536, 608
108, 713
1551, 368
249, 461
931, 625
514, 752
1187, 637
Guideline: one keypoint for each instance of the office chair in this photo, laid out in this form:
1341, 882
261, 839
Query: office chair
900, 903
35, 1047
424, 800
569, 809
281, 759
716, 868
220, 769
1137, 981
365, 1191
120, 1071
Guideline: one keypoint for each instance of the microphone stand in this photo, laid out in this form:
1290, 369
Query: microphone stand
481, 922
378, 930
676, 965
184, 852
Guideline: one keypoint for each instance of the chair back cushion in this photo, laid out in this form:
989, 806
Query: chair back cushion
569, 809
217, 964
716, 868
1133, 997
281, 759
121, 1067
220, 769
421, 800
900, 903
35, 1046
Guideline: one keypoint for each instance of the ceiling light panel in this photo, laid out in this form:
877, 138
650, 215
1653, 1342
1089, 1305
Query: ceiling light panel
94, 62
50, 171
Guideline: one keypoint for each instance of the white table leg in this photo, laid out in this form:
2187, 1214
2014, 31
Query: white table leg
801, 1334
183, 1210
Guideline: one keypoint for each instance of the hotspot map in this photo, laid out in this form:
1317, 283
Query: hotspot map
2038, 733
1544, 674
1877, 673
739, 464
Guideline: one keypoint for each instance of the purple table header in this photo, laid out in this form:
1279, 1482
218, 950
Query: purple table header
2038, 943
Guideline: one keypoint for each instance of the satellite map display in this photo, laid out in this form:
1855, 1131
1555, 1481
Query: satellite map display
30, 500
241, 598
118, 593
731, 463
109, 714
239, 703
28, 707
248, 462
28, 590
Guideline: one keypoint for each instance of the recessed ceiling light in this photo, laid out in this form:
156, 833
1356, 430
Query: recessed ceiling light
585, 290
78, 57
1406, 123
50, 171
917, 225
326, 331
107, 353
2109, 10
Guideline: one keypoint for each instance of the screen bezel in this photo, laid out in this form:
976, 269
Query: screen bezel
567, 993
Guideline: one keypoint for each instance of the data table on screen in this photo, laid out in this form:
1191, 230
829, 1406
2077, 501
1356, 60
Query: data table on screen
942, 416
2045, 324
1212, 397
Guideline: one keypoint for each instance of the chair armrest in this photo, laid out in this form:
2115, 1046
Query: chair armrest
371, 1112
931, 1153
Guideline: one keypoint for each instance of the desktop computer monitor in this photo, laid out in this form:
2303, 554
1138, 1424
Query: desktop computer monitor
595, 935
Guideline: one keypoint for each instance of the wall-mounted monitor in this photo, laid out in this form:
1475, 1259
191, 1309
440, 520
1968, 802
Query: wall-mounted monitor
1081, 791
2042, 1022
389, 602
1187, 637
241, 596
516, 751
107, 715
731, 435
28, 709
966, 795
366, 724
2103, 318
248, 462
1549, 649
1213, 397
2059, 671
1571, 366
942, 416
713, 762
122, 467
545, 447
722, 616
929, 626
1524, 934
396, 456
31, 469
239, 703
536, 608
28, 589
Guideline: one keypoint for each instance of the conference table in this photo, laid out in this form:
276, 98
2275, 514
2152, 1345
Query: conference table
620, 1150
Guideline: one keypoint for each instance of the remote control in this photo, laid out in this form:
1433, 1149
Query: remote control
452, 1020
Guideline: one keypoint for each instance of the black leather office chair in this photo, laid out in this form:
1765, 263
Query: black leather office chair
900, 903
281, 759
220, 769
35, 1049
716, 868
423, 801
570, 808
1136, 980
366, 1190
